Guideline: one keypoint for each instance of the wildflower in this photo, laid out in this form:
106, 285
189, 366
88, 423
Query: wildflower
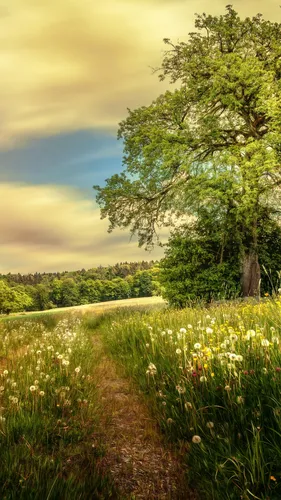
233, 337
239, 357
209, 330
189, 327
240, 400
251, 333
152, 370
265, 370
272, 478
65, 362
60, 356
187, 405
169, 420
178, 351
5, 373
227, 388
182, 330
147, 345
196, 439
41, 393
275, 340
210, 425
77, 369
203, 379
197, 346
232, 356
32, 388
181, 390
2, 419
265, 342
169, 332
278, 369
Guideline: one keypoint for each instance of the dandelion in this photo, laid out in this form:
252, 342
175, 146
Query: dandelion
188, 405
77, 369
275, 340
251, 333
2, 419
210, 425
233, 337
265, 370
182, 330
32, 388
227, 388
240, 400
65, 362
181, 390
209, 330
189, 327
203, 379
5, 373
178, 351
197, 346
239, 358
147, 345
60, 356
169, 332
265, 342
196, 439
41, 393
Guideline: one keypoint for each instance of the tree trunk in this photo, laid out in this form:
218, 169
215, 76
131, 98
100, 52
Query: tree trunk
251, 275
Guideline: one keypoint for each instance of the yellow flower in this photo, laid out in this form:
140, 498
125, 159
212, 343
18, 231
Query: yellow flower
205, 366
212, 374
272, 478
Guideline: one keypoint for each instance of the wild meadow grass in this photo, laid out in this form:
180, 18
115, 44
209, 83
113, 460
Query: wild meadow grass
213, 379
48, 411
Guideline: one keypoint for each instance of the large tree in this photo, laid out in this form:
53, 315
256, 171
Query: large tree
212, 143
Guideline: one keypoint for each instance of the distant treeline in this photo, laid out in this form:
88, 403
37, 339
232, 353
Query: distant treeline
40, 291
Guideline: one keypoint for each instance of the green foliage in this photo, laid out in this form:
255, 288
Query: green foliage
192, 271
212, 143
12, 299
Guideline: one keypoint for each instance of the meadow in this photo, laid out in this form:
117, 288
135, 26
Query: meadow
210, 377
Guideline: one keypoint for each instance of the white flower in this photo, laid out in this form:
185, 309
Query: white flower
232, 356
189, 327
187, 405
181, 390
275, 340
209, 330
169, 332
147, 345
2, 419
182, 330
265, 370
227, 388
239, 357
32, 388
233, 337
210, 425
251, 333
178, 351
77, 369
196, 439
265, 342
5, 373
197, 346
203, 379
41, 393
60, 356
65, 362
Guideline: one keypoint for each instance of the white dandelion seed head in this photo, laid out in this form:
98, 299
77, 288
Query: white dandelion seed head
196, 439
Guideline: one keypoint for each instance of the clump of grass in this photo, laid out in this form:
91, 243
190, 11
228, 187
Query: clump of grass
213, 379
48, 413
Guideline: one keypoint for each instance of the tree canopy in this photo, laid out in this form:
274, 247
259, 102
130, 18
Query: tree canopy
211, 144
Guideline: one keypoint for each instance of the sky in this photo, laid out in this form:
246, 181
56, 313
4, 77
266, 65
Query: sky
69, 71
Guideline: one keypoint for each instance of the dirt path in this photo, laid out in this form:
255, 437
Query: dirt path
141, 465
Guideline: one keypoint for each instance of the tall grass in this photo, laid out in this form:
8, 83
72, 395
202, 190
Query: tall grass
213, 379
48, 412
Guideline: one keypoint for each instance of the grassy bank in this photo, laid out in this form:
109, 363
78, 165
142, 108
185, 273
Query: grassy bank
48, 411
213, 378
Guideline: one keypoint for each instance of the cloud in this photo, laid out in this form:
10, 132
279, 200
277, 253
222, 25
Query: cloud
77, 64
49, 228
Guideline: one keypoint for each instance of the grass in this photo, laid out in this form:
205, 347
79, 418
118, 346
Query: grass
212, 377
48, 412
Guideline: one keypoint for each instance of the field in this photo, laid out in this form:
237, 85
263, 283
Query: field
209, 379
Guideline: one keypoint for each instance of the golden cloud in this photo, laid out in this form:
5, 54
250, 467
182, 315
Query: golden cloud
76, 64
49, 228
